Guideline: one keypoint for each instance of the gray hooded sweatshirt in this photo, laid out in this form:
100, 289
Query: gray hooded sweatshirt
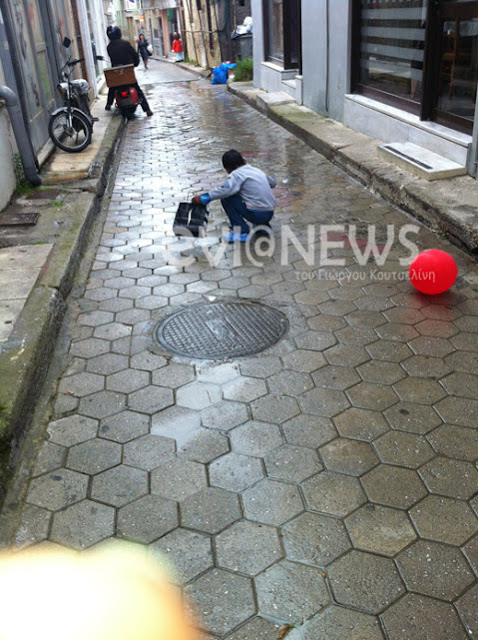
252, 184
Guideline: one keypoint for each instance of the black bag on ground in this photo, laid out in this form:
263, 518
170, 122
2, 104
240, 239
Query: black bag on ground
190, 220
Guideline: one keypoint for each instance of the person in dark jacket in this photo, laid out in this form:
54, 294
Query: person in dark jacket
143, 45
121, 53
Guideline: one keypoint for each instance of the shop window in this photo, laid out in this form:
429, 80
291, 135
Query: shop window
392, 44
282, 32
419, 55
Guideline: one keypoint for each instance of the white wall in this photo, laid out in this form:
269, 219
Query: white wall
326, 83
7, 174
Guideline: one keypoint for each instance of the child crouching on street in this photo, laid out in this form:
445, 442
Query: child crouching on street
245, 196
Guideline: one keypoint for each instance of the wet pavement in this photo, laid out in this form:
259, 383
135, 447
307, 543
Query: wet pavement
329, 482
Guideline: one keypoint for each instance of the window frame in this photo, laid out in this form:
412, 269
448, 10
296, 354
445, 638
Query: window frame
287, 63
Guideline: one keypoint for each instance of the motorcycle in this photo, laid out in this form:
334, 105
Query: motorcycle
71, 126
123, 80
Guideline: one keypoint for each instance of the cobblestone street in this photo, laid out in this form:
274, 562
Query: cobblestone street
329, 482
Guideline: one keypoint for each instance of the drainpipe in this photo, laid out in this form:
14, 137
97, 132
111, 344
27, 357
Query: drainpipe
21, 135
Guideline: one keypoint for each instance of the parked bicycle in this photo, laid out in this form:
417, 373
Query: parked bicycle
71, 126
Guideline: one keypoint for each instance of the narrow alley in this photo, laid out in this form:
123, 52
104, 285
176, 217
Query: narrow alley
328, 482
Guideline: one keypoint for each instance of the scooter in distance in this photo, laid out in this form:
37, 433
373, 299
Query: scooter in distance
71, 126
123, 80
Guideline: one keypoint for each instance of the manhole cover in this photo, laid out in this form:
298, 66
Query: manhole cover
44, 194
221, 330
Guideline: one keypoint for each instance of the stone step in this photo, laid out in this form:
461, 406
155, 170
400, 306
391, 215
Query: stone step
275, 99
419, 161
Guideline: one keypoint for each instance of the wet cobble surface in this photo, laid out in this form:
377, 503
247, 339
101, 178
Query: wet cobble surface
331, 481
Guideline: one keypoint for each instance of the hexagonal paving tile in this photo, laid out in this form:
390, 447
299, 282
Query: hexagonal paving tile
333, 493
274, 408
178, 478
380, 530
333, 377
425, 367
148, 361
337, 623
83, 524
124, 426
419, 617
50, 457
147, 519
292, 464
120, 485
315, 539
419, 390
57, 490
364, 581
452, 478
223, 600
235, 472
128, 380
324, 402
102, 404
82, 384
348, 456
72, 430
309, 431
150, 399
198, 395
94, 456
244, 389
272, 502
444, 520
303, 360
210, 510
255, 438
248, 547
290, 383
435, 570
224, 415
467, 607
461, 411
89, 348
107, 364
361, 424
291, 592
258, 629
367, 395
33, 526
148, 452
393, 486
173, 375
414, 418
403, 449
188, 554
456, 442
346, 355
381, 372
261, 367
204, 446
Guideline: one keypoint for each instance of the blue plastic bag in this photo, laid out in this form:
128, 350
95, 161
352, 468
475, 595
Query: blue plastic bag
219, 74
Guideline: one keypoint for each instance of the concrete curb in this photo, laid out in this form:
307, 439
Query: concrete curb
447, 206
25, 358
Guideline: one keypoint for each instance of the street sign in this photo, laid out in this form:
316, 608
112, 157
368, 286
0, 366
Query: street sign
131, 5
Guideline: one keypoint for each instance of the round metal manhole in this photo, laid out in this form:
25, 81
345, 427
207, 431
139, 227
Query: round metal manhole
221, 330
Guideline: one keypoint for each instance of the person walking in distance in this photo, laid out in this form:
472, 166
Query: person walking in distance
143, 45
178, 47
121, 52
246, 196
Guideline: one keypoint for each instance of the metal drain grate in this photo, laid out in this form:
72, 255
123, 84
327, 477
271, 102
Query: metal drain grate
11, 219
44, 194
221, 330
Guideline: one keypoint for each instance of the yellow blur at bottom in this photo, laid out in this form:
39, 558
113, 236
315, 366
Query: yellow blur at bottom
119, 593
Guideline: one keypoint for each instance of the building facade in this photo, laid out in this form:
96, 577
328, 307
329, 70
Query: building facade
31, 56
407, 69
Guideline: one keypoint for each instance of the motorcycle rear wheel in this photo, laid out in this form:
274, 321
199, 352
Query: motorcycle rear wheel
70, 139
128, 112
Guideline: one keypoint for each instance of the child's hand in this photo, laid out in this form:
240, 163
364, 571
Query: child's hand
196, 200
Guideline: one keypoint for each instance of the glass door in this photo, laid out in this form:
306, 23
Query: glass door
458, 74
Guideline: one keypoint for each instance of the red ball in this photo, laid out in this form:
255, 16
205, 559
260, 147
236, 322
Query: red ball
433, 272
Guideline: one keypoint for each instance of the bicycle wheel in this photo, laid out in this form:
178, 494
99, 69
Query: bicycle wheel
74, 138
